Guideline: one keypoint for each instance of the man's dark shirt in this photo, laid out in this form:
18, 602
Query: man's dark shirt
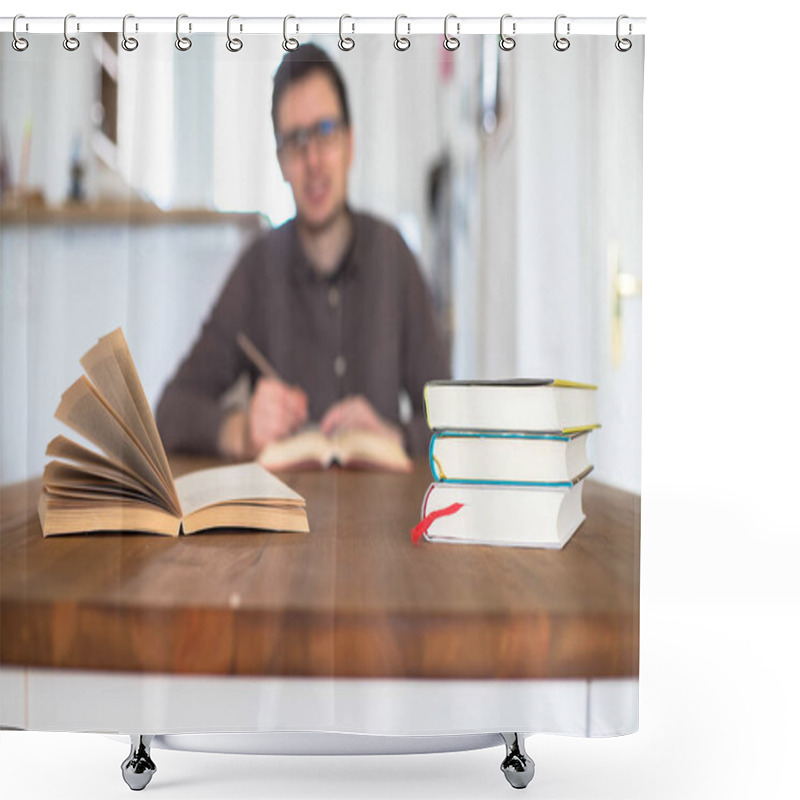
369, 329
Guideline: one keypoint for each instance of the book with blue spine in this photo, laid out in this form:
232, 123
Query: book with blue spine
509, 458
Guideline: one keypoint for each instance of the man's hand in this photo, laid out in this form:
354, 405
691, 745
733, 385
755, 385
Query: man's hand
356, 413
276, 410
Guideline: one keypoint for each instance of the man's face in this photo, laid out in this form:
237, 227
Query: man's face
317, 149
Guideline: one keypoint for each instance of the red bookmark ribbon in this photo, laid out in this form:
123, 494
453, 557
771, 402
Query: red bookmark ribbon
419, 530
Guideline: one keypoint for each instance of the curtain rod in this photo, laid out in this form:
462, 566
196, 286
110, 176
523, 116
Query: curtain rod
300, 25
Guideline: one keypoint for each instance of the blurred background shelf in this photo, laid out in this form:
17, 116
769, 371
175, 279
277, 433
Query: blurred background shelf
117, 213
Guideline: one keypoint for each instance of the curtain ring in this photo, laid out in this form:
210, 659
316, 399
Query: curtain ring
561, 43
289, 44
233, 45
507, 42
623, 45
18, 43
128, 42
451, 42
71, 43
183, 43
345, 42
401, 43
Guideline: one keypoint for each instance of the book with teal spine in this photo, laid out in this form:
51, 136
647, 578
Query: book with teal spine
525, 459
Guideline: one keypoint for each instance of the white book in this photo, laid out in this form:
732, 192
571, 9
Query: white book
541, 459
524, 405
512, 516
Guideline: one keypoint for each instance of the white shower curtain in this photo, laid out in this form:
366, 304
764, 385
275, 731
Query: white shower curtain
514, 181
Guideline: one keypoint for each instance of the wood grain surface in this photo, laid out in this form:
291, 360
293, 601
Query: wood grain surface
353, 598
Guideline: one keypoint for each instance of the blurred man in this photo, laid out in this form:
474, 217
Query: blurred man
333, 300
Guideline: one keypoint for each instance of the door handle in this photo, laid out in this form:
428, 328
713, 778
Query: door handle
625, 285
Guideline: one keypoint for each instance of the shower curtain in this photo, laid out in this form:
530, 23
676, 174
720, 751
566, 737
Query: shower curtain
506, 182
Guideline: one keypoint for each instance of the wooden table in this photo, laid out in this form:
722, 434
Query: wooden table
349, 634
354, 598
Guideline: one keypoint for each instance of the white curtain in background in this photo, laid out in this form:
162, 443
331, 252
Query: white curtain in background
542, 211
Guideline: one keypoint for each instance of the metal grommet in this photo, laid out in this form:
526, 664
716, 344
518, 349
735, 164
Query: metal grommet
183, 43
623, 45
401, 43
345, 42
507, 42
129, 43
451, 42
289, 43
561, 43
71, 43
233, 45
18, 43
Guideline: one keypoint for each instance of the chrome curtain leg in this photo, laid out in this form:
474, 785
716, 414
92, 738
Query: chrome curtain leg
138, 768
517, 766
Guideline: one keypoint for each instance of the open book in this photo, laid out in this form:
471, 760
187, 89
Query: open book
358, 449
129, 487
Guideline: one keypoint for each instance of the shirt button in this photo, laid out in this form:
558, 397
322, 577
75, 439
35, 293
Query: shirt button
333, 297
340, 366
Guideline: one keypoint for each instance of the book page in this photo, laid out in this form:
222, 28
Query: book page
100, 494
308, 447
261, 517
370, 449
65, 449
110, 366
62, 515
83, 409
232, 484
59, 474
357, 448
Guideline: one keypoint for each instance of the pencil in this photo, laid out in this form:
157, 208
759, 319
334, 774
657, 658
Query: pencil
254, 354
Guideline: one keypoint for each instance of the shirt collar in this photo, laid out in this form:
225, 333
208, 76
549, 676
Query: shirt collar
302, 270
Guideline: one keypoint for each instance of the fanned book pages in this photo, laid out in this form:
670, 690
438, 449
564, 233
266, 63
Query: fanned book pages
128, 486
544, 406
357, 449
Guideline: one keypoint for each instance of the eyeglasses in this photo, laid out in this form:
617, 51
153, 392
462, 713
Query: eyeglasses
322, 134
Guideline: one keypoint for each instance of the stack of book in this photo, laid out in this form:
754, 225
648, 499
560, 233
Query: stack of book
508, 460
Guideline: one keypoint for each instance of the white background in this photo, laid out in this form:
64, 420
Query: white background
720, 702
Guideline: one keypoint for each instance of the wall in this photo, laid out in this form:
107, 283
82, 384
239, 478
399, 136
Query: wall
62, 287
57, 116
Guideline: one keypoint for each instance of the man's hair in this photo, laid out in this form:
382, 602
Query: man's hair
299, 64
